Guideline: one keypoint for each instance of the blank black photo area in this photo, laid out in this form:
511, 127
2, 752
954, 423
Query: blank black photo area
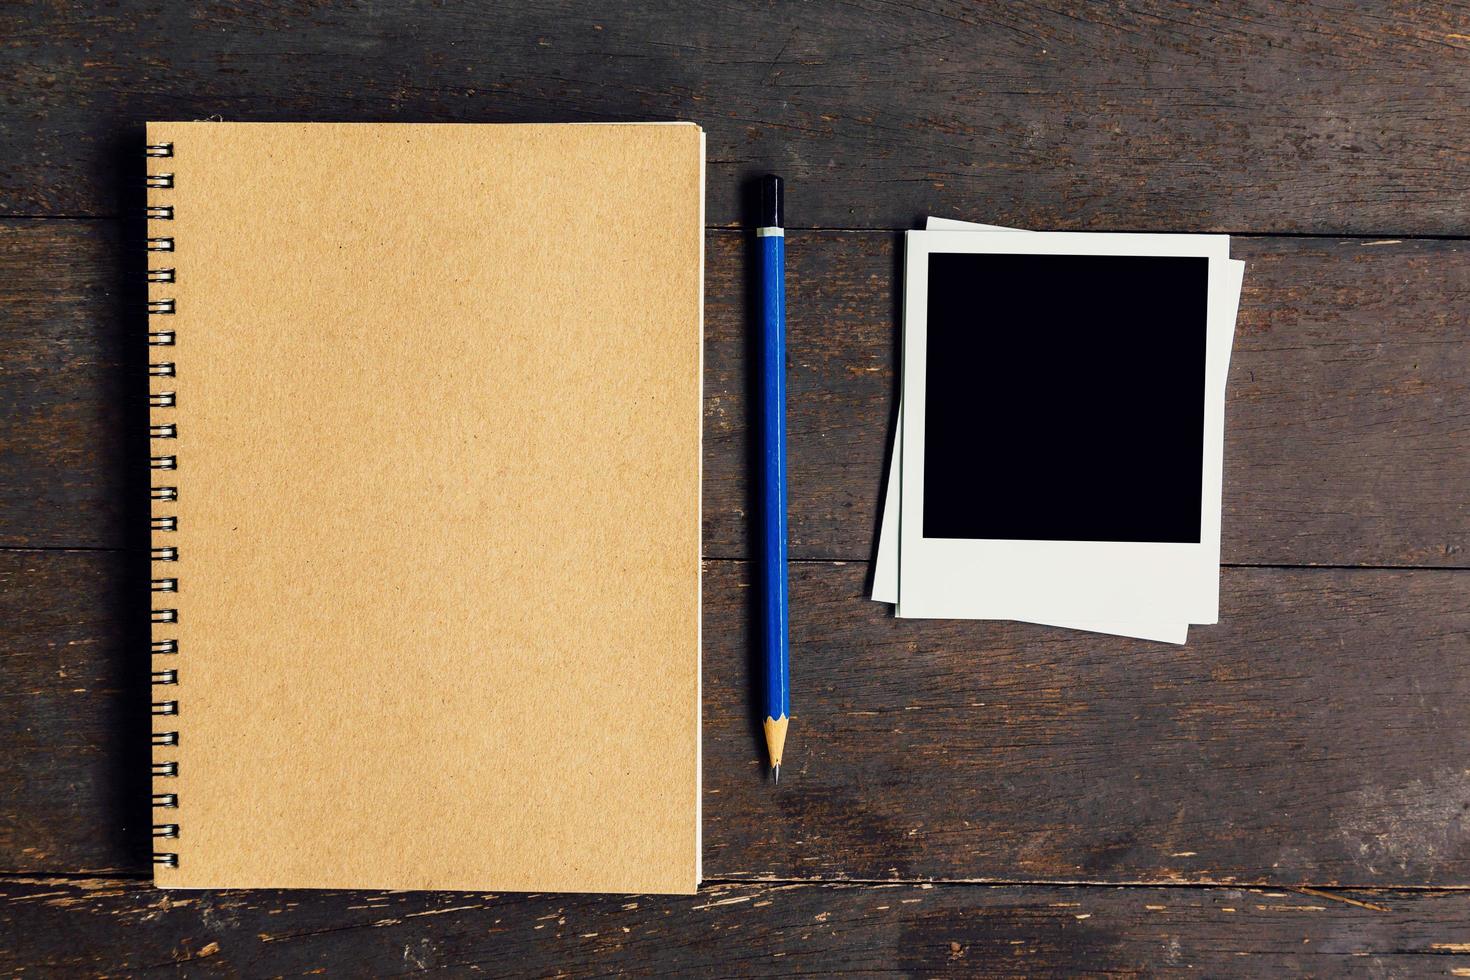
1065, 397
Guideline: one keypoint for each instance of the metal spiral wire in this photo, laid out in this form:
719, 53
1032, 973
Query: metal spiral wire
163, 706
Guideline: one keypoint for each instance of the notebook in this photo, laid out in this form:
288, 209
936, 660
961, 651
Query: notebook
426, 417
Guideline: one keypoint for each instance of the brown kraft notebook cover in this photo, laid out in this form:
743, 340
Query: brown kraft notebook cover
426, 417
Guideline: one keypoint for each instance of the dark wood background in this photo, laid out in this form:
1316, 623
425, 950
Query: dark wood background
1288, 793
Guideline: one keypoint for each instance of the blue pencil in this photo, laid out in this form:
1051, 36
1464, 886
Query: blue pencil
771, 237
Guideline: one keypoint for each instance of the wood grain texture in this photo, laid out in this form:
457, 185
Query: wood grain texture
73, 385
1348, 411
1253, 116
110, 927
1317, 736
73, 711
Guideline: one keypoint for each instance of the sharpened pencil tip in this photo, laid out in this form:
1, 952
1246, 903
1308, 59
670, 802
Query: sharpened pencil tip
776, 775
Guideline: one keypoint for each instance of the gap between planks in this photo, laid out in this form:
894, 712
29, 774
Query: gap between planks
726, 559
1335, 892
1368, 238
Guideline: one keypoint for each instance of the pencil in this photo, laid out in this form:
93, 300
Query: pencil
771, 239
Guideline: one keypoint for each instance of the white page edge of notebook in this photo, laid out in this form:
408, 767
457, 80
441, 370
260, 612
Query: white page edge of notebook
886, 564
1053, 579
699, 631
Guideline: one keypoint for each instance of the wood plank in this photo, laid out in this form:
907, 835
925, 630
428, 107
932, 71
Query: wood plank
111, 927
1317, 736
1348, 413
73, 386
1256, 116
73, 711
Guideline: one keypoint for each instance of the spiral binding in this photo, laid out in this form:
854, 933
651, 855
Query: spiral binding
167, 676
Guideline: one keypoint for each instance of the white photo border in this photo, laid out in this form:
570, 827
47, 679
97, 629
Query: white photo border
1012, 579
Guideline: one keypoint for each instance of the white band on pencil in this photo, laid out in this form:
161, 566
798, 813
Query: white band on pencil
770, 233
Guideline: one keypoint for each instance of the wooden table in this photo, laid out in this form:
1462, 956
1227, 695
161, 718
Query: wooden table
1288, 793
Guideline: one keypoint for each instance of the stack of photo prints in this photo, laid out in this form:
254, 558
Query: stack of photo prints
1060, 438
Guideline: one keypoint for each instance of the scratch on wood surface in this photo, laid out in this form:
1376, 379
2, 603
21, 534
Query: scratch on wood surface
1451, 947
1342, 898
85, 884
724, 901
